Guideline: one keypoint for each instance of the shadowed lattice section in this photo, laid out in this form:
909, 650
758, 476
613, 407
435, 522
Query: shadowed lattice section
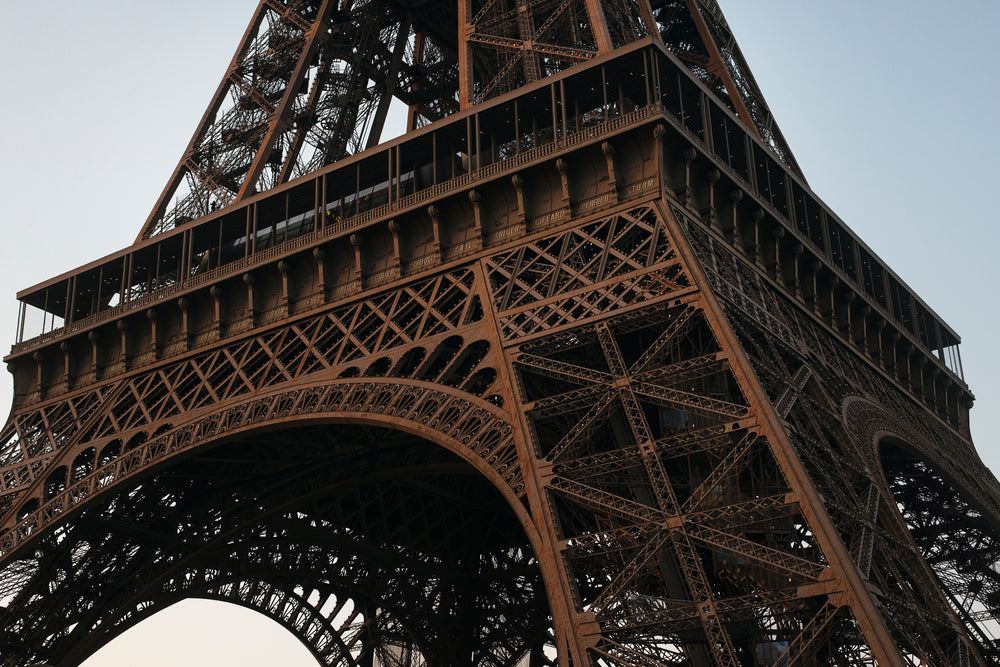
358, 540
956, 539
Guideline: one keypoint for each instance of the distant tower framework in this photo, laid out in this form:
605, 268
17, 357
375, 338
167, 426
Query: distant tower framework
578, 371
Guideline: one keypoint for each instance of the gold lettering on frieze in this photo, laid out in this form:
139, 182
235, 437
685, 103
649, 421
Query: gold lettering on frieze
639, 187
506, 232
422, 261
594, 203
384, 275
550, 217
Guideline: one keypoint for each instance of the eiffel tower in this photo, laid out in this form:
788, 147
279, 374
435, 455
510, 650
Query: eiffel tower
577, 371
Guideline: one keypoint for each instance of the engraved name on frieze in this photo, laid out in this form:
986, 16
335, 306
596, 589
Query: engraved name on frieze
550, 217
594, 203
422, 261
461, 248
384, 274
507, 232
640, 187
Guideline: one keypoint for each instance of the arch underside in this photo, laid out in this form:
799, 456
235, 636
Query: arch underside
956, 539
370, 545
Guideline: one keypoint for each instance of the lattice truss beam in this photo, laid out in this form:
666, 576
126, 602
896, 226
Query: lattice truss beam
684, 538
672, 509
508, 44
86, 431
610, 431
629, 405
697, 33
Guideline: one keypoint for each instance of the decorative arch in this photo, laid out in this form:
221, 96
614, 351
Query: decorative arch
935, 503
326, 620
466, 425
300, 619
956, 458
472, 429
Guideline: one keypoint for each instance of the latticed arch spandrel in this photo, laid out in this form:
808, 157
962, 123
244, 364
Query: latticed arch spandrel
472, 428
344, 341
930, 507
326, 596
955, 537
951, 456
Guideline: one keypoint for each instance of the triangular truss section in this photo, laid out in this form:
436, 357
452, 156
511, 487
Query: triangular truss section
312, 81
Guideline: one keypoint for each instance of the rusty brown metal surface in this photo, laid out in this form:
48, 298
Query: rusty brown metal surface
581, 373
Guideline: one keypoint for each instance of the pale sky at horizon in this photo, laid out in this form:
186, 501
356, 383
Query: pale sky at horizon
889, 108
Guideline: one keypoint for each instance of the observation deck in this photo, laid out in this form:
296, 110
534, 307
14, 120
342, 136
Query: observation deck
383, 215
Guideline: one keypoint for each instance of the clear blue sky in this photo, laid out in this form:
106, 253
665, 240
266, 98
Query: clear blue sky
889, 107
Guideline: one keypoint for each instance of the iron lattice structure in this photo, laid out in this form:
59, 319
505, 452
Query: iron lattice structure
577, 371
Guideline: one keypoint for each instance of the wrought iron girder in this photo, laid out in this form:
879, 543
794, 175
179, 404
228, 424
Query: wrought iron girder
613, 653
236, 142
679, 617
701, 496
746, 513
330, 643
34, 436
477, 427
61, 456
568, 401
676, 327
624, 458
695, 402
584, 429
684, 372
809, 387
765, 557
606, 503
698, 441
603, 465
719, 642
560, 370
533, 321
612, 333
288, 15
606, 605
567, 262
683, 617
247, 365
570, 54
609, 541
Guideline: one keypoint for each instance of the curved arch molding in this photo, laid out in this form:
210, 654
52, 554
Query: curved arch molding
475, 430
